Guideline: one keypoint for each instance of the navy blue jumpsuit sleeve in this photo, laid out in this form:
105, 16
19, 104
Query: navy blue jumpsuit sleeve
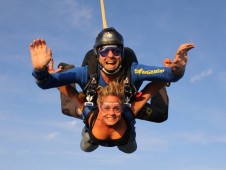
77, 75
140, 73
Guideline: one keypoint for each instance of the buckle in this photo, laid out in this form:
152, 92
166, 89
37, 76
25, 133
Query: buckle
89, 104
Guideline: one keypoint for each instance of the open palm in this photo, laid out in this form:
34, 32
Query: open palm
40, 55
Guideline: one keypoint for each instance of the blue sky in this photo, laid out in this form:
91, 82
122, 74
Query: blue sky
34, 134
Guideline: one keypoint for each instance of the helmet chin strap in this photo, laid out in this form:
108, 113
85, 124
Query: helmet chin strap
110, 72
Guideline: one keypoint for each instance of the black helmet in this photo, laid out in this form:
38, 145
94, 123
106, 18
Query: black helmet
108, 36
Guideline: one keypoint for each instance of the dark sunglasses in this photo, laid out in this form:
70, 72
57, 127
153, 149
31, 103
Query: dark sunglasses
115, 50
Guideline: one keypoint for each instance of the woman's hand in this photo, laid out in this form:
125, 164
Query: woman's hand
167, 62
51, 66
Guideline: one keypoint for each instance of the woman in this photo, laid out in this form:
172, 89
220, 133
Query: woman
112, 124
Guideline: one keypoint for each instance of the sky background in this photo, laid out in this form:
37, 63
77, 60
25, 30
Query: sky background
34, 134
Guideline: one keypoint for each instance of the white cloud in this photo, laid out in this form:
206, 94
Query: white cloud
202, 75
70, 124
52, 135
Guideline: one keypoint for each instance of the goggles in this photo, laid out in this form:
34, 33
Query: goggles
113, 48
117, 108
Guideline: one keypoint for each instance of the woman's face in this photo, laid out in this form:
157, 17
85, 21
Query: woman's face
110, 110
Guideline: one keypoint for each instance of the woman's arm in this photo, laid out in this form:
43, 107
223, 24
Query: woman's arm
147, 92
67, 90
70, 92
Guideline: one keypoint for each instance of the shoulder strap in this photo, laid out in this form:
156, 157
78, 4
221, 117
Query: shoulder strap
129, 116
92, 85
130, 90
91, 90
87, 112
90, 59
129, 57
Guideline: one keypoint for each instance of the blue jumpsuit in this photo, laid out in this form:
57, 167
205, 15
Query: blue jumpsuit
79, 75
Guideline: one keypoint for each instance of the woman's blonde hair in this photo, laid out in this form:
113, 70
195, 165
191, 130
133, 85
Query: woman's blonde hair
113, 89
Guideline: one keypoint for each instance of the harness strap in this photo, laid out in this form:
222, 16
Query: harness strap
85, 112
91, 90
130, 90
129, 116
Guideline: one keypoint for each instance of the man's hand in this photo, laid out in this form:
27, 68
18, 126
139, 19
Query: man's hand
180, 59
40, 55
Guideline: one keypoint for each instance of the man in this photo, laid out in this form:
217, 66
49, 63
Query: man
109, 50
